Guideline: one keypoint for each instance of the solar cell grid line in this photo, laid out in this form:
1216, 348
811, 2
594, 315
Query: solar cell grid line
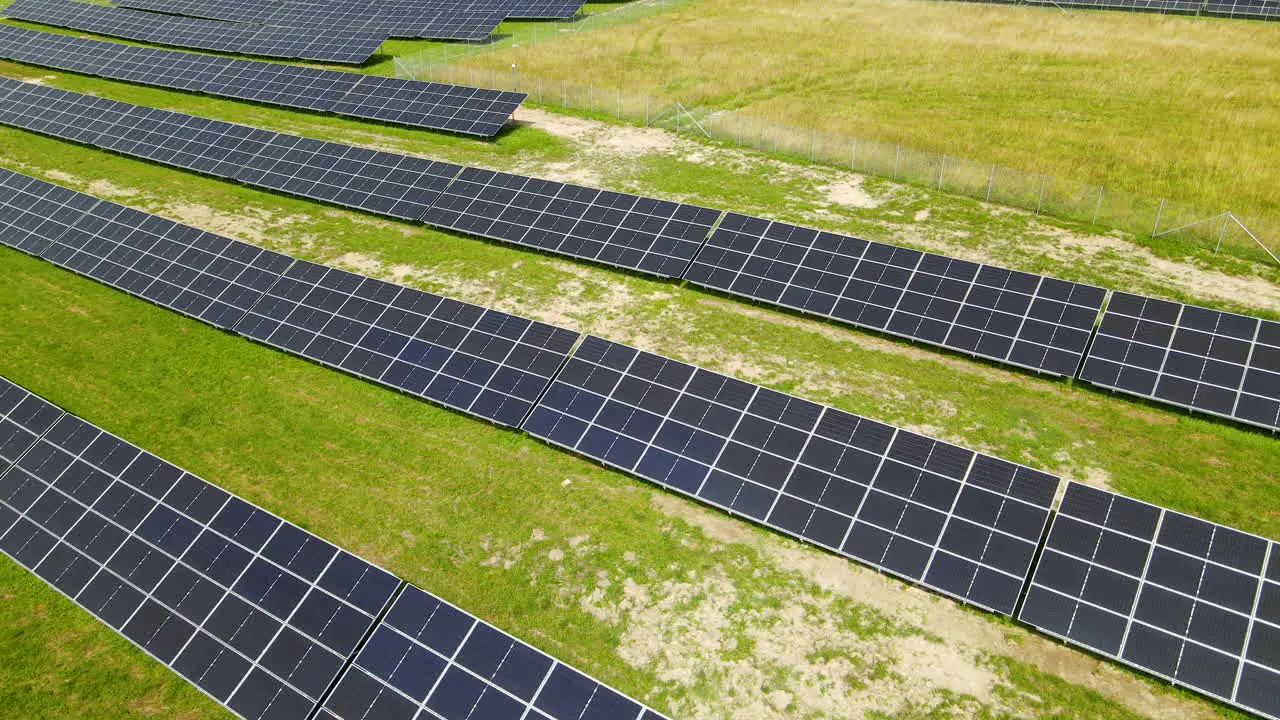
1191, 601
1039, 323
479, 361
652, 236
279, 84
256, 612
197, 273
34, 213
24, 418
400, 186
428, 659
962, 523
1215, 362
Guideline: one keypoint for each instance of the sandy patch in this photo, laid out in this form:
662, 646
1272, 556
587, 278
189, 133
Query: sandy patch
848, 191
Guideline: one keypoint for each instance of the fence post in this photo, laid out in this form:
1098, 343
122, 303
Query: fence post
1223, 233
539, 91
897, 156
991, 181
1098, 205
617, 104
1159, 211
853, 156
646, 111
942, 168
813, 139
1040, 201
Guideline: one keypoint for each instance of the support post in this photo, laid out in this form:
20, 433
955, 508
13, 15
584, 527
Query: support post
1040, 201
1226, 218
813, 140
853, 156
1159, 211
1098, 205
991, 181
942, 168
897, 157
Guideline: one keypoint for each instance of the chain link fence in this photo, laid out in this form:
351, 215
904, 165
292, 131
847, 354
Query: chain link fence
1173, 222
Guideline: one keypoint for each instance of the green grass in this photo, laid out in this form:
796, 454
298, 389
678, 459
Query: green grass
1156, 105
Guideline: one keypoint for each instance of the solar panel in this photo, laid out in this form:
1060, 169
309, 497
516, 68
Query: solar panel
480, 361
385, 183
421, 20
407, 102
1191, 601
254, 611
412, 102
428, 659
197, 273
1189, 356
24, 417
963, 523
34, 213
272, 41
1252, 9
1018, 318
653, 236
60, 113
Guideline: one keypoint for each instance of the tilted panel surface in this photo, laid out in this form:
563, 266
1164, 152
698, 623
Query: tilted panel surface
1194, 357
480, 361
960, 522
24, 417
428, 660
1019, 318
653, 236
1189, 600
254, 611
194, 272
218, 35
415, 103
34, 213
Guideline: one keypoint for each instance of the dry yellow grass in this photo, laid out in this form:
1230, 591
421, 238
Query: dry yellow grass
1174, 107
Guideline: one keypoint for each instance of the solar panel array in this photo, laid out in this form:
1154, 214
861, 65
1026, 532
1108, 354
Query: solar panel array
415, 103
34, 213
1190, 356
428, 659
652, 236
480, 361
417, 22
269, 41
963, 523
258, 613
1018, 318
1189, 600
526, 9
1249, 9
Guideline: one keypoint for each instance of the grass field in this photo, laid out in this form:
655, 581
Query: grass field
1162, 106
700, 615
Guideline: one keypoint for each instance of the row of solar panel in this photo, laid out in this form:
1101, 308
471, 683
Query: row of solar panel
411, 18
416, 103
268, 619
1013, 317
337, 45
438, 23
1248, 9
1196, 602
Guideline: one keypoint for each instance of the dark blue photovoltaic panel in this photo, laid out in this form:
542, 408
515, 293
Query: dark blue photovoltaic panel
256, 612
407, 102
1189, 356
24, 417
1189, 600
464, 356
34, 213
1018, 318
963, 523
197, 273
244, 38
1248, 9
428, 659
653, 236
